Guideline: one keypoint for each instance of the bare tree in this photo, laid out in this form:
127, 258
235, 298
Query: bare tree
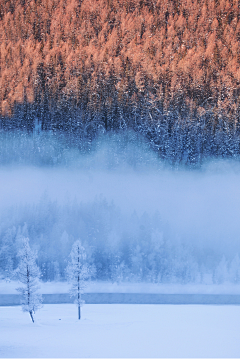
28, 274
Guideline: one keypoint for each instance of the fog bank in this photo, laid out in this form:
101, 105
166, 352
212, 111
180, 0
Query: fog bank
198, 209
200, 206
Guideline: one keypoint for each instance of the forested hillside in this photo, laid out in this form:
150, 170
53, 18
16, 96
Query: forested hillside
169, 69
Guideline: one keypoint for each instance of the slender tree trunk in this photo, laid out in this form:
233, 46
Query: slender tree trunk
79, 294
31, 316
29, 294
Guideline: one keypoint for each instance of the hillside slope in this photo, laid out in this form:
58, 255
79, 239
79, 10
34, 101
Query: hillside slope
90, 51
154, 65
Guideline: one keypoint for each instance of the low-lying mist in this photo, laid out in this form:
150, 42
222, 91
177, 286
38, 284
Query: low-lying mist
139, 218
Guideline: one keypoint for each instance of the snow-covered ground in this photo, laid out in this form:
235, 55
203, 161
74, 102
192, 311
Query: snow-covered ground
108, 287
121, 331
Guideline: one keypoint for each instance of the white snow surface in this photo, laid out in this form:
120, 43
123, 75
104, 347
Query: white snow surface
121, 331
127, 287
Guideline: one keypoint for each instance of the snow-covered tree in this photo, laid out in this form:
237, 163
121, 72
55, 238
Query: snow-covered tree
221, 274
234, 270
117, 269
8, 253
56, 271
28, 274
78, 271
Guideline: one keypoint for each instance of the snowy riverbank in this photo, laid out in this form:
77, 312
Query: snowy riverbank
108, 287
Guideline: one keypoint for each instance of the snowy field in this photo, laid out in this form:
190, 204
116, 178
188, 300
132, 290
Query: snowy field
121, 331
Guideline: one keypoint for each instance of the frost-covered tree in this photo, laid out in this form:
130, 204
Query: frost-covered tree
28, 274
221, 274
56, 271
8, 253
234, 270
78, 271
117, 269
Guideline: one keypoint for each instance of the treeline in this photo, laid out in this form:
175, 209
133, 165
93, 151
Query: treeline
169, 69
120, 247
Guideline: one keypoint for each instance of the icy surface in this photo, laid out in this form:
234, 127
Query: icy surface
121, 331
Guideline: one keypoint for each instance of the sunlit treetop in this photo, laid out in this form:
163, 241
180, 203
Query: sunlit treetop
97, 53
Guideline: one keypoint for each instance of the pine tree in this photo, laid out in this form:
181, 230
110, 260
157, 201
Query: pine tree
28, 274
78, 271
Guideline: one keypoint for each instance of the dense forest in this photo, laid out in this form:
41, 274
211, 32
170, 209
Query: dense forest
121, 247
169, 69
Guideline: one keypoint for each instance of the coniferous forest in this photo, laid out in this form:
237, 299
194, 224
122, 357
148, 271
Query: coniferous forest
121, 92
169, 70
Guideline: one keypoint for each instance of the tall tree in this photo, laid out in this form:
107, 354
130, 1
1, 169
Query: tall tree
28, 274
78, 271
